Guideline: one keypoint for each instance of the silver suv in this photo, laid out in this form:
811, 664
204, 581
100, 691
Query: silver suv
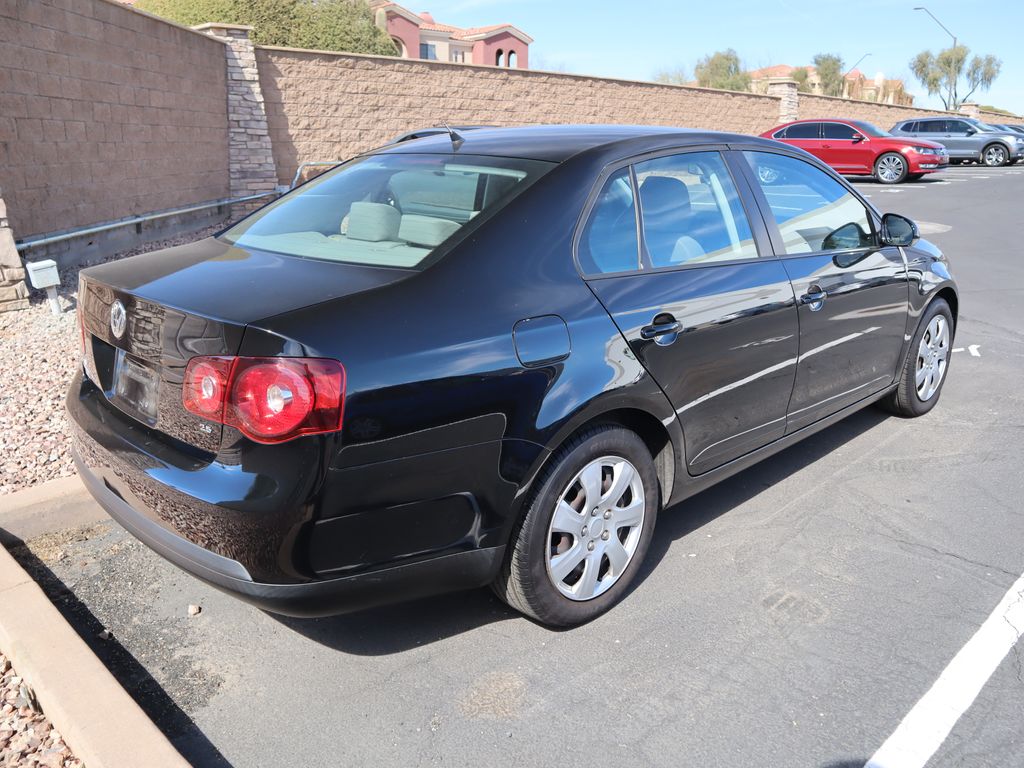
966, 139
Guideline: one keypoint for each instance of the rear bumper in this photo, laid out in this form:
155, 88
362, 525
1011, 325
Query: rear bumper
462, 570
248, 523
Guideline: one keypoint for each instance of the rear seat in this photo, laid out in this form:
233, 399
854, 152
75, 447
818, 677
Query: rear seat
376, 233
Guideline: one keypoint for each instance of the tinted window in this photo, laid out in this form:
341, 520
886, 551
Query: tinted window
691, 212
956, 126
910, 127
388, 210
803, 131
609, 242
932, 126
814, 212
838, 131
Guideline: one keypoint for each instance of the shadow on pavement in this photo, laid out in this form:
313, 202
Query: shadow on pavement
396, 628
687, 516
179, 728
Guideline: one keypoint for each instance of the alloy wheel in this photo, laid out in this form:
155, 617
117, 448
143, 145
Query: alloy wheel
596, 528
890, 168
995, 156
932, 357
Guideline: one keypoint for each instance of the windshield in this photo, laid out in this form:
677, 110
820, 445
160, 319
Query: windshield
870, 130
386, 210
985, 127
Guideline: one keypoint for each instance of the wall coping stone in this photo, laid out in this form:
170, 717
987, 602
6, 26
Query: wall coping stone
524, 72
910, 107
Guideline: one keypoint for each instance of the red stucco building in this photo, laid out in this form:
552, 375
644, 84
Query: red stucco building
418, 36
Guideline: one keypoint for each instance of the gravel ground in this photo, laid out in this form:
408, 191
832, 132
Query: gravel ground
38, 354
27, 739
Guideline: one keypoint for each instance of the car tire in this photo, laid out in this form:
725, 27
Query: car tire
929, 351
891, 168
611, 460
995, 155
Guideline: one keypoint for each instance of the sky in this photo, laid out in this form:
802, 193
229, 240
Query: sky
635, 40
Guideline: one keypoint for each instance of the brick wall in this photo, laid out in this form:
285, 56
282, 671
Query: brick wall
326, 106
882, 115
106, 112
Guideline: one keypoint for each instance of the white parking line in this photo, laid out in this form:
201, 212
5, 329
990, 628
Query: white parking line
928, 724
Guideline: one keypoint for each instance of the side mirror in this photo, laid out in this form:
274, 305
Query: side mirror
971, 131
898, 230
857, 138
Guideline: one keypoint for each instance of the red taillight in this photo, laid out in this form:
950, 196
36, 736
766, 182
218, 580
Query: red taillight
269, 399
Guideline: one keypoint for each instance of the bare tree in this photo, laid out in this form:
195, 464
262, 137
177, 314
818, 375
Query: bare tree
941, 73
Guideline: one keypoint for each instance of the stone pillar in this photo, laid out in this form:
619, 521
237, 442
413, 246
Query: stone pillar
789, 97
250, 155
13, 291
970, 109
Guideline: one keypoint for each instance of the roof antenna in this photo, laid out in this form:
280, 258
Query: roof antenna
456, 138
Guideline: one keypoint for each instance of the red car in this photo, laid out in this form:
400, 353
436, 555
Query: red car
856, 148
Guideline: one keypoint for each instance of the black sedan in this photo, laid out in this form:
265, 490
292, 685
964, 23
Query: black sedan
492, 358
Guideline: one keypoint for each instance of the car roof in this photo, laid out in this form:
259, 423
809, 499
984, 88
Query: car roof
557, 143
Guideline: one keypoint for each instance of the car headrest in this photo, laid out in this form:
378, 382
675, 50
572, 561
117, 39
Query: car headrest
660, 195
425, 230
373, 222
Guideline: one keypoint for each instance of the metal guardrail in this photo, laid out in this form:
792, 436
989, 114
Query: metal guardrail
25, 245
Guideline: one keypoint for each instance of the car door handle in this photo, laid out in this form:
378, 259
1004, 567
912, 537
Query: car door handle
814, 298
655, 330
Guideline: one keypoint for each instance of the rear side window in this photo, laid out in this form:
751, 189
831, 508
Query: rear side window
813, 211
803, 131
908, 127
838, 131
609, 242
691, 212
385, 210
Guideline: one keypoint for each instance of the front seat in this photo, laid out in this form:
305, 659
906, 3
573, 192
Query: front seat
668, 219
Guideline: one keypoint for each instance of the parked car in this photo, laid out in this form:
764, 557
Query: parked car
857, 148
967, 140
492, 361
1009, 127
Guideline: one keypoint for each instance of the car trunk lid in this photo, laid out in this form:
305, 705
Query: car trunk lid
190, 301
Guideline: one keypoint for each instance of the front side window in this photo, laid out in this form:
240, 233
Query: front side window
838, 131
386, 210
691, 211
609, 242
813, 211
956, 126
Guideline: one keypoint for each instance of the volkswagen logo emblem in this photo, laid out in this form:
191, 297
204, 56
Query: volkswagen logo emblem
118, 319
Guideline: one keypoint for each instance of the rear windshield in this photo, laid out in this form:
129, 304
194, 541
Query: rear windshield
868, 129
386, 210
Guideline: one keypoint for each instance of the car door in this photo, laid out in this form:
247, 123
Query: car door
852, 292
807, 136
961, 137
846, 149
689, 278
940, 131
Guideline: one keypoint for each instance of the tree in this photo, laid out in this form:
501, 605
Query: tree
941, 73
830, 73
800, 74
722, 69
676, 76
334, 25
345, 25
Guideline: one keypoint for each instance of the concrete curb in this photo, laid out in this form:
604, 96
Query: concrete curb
101, 723
45, 508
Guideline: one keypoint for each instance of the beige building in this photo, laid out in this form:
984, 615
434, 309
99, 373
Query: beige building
855, 85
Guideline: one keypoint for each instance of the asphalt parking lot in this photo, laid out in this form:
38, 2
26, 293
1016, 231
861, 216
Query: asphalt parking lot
792, 616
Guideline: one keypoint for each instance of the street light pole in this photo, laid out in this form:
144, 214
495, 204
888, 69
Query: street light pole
952, 72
